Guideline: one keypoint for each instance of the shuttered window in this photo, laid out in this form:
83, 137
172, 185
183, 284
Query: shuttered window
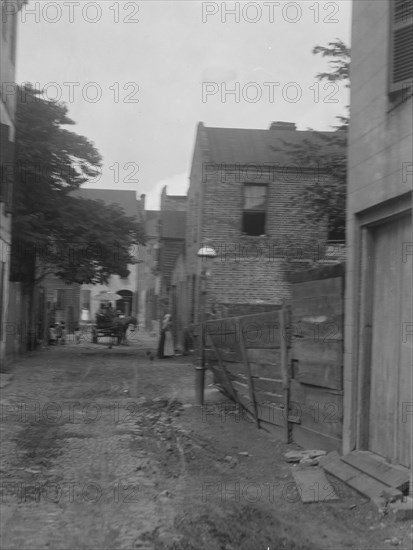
401, 45
7, 167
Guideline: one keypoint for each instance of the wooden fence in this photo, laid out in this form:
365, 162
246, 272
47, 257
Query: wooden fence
251, 364
316, 385
285, 367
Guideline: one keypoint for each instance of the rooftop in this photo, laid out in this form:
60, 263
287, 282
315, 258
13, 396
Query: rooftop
250, 146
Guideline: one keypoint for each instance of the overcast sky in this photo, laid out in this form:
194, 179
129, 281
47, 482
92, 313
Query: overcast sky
139, 76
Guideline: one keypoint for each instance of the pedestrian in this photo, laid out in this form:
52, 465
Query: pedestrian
77, 335
166, 344
52, 335
64, 332
59, 333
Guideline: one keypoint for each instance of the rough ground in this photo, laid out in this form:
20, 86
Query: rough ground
104, 449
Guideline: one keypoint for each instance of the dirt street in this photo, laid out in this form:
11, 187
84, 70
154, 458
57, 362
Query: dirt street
104, 449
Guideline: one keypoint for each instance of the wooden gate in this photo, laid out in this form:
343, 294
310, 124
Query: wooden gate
390, 394
251, 364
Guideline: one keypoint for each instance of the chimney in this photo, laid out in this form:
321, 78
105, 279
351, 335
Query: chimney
281, 125
143, 197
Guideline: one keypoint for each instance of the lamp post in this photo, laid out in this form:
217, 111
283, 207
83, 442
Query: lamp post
207, 254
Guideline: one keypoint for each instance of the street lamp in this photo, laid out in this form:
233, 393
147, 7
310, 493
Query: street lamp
207, 254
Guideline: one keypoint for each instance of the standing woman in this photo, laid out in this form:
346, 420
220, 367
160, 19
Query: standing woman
166, 345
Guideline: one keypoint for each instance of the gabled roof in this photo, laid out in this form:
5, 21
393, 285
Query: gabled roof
250, 146
123, 198
173, 224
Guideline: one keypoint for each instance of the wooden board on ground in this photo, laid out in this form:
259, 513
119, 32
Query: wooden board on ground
313, 485
310, 439
381, 471
362, 483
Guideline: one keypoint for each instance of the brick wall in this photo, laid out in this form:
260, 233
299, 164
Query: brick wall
248, 269
174, 203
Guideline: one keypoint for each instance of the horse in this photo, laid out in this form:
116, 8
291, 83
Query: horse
121, 327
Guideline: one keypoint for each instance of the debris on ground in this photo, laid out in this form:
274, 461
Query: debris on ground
402, 510
313, 486
300, 456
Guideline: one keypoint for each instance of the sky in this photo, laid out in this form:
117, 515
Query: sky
138, 76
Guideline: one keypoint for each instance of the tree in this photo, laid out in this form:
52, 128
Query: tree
54, 231
339, 63
326, 153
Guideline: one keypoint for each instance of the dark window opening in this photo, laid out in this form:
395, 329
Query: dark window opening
253, 223
337, 231
254, 210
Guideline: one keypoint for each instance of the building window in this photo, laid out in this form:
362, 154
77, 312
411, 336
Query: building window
254, 210
6, 167
401, 45
85, 299
337, 231
60, 296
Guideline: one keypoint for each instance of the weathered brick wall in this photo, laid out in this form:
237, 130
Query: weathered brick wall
248, 269
255, 269
174, 203
193, 223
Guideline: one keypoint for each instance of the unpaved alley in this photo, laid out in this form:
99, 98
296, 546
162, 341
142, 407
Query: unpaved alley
103, 449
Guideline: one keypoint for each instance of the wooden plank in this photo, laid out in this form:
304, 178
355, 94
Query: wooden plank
327, 307
382, 471
318, 363
261, 370
249, 377
313, 485
310, 439
220, 326
318, 373
362, 483
264, 362
319, 409
229, 385
309, 350
284, 371
264, 356
319, 328
268, 385
271, 397
235, 369
226, 340
405, 421
230, 355
322, 287
317, 273
260, 331
271, 413
385, 348
241, 385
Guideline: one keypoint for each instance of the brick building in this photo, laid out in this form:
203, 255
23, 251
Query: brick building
13, 300
148, 291
244, 200
379, 335
165, 234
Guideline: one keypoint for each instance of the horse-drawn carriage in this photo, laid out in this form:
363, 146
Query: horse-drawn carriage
109, 324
